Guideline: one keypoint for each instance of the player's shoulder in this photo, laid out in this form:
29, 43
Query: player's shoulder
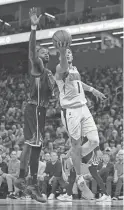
58, 69
74, 70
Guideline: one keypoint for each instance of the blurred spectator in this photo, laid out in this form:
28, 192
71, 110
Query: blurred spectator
113, 149
60, 129
48, 142
51, 111
60, 141
13, 173
6, 158
18, 151
108, 132
1, 150
1, 140
3, 169
118, 175
3, 131
14, 129
118, 121
52, 176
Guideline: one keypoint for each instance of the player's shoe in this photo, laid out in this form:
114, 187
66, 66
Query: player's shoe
51, 196
12, 196
85, 191
65, 198
104, 198
34, 192
20, 184
114, 198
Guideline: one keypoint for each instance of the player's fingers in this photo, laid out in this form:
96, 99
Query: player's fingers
65, 44
60, 44
103, 96
57, 44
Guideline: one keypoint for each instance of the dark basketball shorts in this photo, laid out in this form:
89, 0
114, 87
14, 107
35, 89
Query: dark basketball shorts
31, 116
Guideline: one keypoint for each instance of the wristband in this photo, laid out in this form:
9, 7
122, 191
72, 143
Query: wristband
33, 27
91, 89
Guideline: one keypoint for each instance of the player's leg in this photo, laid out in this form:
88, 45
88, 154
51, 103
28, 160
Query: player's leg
89, 129
73, 117
71, 120
35, 154
29, 129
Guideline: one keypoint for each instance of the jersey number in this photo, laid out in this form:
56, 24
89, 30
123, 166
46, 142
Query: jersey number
78, 84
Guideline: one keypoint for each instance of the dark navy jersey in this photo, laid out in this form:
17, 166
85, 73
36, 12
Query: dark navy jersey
45, 88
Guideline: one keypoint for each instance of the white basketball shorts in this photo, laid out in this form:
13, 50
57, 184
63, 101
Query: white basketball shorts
78, 121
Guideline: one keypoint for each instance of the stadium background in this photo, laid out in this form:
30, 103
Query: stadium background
96, 28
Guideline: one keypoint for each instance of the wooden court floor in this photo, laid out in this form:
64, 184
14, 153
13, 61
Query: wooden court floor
9, 204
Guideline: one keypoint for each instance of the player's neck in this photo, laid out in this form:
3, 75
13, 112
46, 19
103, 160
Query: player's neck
70, 65
45, 65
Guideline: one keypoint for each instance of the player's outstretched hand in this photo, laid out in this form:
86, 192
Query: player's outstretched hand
34, 17
62, 46
98, 95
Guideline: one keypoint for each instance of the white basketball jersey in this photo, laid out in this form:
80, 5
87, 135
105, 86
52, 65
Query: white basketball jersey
71, 91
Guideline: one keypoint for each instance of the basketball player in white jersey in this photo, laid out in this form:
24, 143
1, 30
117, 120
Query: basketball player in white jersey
75, 114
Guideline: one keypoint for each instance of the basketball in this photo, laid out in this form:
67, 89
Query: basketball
61, 36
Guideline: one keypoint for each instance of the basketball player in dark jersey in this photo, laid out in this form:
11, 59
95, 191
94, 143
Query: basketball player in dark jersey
41, 87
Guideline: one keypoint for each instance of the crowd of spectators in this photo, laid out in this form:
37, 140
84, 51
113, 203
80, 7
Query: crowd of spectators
46, 22
14, 93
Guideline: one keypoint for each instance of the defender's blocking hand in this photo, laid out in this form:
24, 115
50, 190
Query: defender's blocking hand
34, 17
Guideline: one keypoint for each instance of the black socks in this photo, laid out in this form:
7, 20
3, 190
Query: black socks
34, 163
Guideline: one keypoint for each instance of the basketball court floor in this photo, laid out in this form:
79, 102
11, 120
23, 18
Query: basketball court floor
10, 204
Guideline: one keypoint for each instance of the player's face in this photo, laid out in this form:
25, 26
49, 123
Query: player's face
44, 54
69, 56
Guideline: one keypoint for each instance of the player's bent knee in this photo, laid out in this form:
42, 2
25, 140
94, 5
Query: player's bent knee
93, 137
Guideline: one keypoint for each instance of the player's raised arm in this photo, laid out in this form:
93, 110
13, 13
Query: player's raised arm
62, 40
63, 58
33, 57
